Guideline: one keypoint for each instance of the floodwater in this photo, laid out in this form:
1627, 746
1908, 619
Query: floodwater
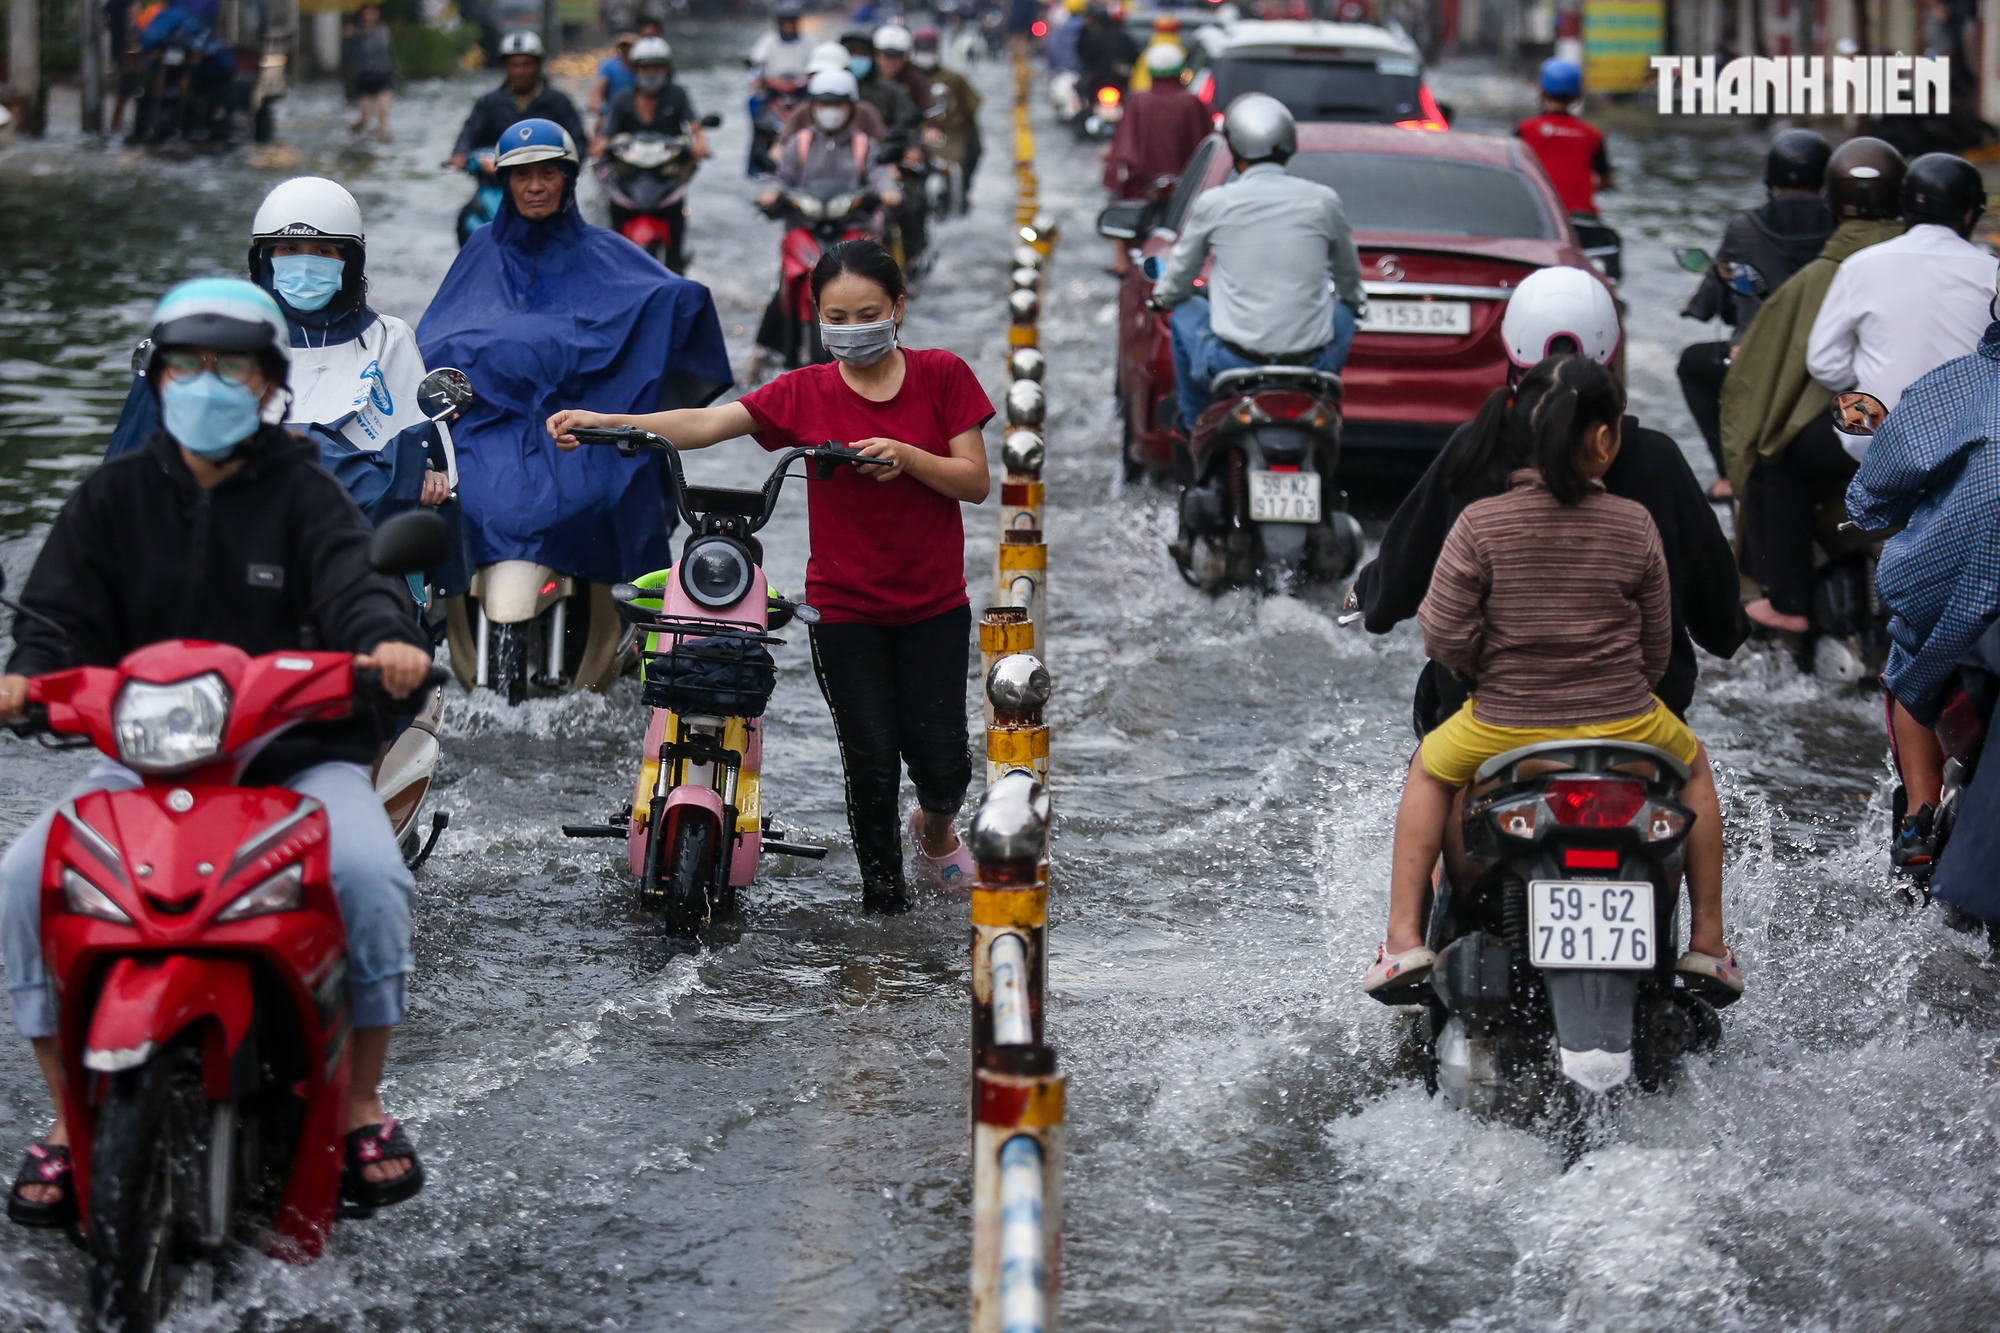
768, 1132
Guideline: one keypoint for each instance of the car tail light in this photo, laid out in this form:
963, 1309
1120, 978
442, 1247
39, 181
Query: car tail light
1589, 858
1595, 802
1204, 88
1433, 118
1107, 97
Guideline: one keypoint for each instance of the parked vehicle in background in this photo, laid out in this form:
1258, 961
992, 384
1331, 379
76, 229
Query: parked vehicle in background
212, 69
1320, 71
1446, 225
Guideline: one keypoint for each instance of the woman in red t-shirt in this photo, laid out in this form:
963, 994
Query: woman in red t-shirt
887, 570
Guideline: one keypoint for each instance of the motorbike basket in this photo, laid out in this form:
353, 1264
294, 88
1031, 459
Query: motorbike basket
721, 675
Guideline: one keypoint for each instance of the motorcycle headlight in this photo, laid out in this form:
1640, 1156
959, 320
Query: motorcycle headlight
86, 899
282, 892
715, 572
166, 728
809, 207
842, 206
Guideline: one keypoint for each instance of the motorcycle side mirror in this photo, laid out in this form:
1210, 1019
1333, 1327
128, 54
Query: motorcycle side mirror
1858, 413
1152, 266
410, 543
444, 392
1694, 259
1161, 190
142, 356
711, 121
1120, 222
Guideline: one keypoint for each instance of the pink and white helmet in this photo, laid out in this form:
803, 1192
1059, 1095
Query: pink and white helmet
1562, 302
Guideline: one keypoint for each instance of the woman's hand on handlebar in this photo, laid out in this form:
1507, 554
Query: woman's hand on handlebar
13, 697
569, 419
403, 667
896, 455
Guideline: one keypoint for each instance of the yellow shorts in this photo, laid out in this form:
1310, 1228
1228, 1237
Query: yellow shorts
1456, 748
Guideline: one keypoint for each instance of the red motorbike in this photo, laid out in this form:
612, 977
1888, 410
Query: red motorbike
199, 960
645, 179
812, 224
1259, 505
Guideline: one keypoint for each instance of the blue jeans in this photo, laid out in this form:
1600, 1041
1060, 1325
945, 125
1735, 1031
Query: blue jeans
1199, 355
370, 881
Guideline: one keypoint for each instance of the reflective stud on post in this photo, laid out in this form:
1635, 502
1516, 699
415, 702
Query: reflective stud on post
1027, 256
1027, 403
1017, 737
1021, 491
1003, 630
1027, 363
1024, 309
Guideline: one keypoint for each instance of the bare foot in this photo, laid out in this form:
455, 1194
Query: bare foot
1771, 617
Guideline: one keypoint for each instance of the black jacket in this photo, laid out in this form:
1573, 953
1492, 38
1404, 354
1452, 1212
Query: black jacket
493, 113
1778, 239
1650, 469
274, 557
673, 113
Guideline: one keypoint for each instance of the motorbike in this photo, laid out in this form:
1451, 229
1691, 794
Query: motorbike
484, 206
1259, 505
196, 81
770, 107
1555, 970
694, 829
812, 224
199, 960
1091, 113
645, 179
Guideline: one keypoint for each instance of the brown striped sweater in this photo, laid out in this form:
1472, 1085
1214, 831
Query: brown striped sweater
1559, 614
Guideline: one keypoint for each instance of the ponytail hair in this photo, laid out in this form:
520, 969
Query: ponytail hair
1581, 395
1502, 437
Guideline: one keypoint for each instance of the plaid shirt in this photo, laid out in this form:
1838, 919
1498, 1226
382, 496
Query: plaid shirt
1934, 467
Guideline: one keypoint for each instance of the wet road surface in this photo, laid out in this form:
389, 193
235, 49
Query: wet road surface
768, 1133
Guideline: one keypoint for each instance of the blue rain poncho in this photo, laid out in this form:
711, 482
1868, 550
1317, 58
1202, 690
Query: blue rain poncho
555, 314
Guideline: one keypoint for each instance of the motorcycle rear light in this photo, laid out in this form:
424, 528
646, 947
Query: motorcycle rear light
167, 728
1287, 406
1107, 97
1594, 802
282, 892
1519, 818
1247, 413
1040, 29
1585, 858
86, 899
1283, 467
1659, 822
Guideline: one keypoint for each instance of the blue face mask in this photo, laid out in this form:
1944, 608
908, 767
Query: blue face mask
307, 282
208, 415
860, 66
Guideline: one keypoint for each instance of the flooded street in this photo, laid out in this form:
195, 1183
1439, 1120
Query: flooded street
768, 1133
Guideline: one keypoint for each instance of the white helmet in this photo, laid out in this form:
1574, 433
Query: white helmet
309, 206
1165, 58
521, 44
833, 83
651, 51
1556, 303
893, 37
827, 55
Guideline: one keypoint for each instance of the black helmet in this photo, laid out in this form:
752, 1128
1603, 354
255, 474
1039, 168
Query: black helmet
787, 12
1797, 160
1864, 179
1942, 187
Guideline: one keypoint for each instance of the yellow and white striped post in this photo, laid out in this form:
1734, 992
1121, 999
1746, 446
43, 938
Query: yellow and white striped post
1003, 631
1024, 579
1017, 737
1021, 492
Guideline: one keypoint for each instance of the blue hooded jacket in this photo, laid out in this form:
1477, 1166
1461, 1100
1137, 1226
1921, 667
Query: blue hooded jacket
554, 314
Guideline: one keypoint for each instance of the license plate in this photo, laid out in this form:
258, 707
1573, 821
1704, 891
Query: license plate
1438, 317
1284, 497
1591, 923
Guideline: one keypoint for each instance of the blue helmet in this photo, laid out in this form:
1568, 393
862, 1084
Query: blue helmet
535, 140
1562, 78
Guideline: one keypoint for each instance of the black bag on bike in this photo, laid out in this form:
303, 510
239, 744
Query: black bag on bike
725, 676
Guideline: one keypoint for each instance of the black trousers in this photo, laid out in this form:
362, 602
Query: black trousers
1702, 368
1785, 494
897, 693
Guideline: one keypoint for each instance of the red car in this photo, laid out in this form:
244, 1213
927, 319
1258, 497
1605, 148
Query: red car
1446, 224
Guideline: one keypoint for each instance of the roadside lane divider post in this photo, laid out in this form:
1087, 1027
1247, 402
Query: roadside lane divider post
1021, 490
1017, 737
1024, 580
1018, 1097
1003, 631
1024, 309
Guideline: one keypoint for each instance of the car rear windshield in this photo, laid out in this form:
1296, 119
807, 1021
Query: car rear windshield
1384, 192
1370, 91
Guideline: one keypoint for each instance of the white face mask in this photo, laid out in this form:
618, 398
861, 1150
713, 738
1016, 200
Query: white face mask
859, 344
830, 117
924, 59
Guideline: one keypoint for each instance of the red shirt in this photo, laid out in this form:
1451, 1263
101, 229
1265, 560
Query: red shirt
1570, 151
883, 553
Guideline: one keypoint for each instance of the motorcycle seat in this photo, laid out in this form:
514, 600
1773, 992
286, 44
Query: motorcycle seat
1305, 378
1584, 755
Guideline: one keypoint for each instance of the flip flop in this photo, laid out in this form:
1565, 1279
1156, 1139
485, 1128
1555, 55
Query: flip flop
45, 1164
1717, 980
379, 1143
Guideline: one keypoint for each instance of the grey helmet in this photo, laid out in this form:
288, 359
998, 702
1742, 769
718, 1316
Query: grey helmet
1259, 128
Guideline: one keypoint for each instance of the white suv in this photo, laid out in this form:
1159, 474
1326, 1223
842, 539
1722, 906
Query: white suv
1322, 71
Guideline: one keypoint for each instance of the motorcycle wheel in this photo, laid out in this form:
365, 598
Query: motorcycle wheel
690, 869
510, 662
146, 1190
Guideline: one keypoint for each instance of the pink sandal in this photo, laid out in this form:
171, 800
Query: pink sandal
953, 870
1397, 971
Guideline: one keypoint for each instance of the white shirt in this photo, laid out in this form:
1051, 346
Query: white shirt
1898, 310
776, 58
364, 389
